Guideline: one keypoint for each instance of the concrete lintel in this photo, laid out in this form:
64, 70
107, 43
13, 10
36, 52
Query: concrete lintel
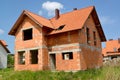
27, 49
65, 45
62, 51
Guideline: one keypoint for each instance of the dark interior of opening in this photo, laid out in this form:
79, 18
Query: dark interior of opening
112, 57
94, 36
88, 35
34, 56
70, 55
27, 34
61, 27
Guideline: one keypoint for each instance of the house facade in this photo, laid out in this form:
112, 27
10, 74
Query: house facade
111, 50
3, 54
69, 42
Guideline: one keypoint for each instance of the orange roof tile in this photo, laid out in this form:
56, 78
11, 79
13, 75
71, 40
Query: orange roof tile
72, 20
41, 20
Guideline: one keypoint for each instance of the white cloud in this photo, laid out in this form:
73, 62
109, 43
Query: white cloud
106, 20
51, 6
1, 31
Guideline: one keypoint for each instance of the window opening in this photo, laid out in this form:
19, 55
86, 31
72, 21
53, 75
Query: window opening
88, 35
27, 34
60, 27
67, 55
94, 37
21, 57
34, 56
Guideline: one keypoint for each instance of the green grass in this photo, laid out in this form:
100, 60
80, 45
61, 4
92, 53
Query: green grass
104, 73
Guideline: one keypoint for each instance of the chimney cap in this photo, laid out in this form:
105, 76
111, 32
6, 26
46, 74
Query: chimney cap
110, 39
74, 8
118, 40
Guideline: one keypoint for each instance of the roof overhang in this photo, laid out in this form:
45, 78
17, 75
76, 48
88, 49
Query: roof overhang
20, 19
4, 47
18, 22
98, 25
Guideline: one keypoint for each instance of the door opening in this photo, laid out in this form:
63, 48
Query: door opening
53, 61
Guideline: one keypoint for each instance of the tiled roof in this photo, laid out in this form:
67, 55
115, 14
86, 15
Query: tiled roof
3, 43
36, 18
111, 48
72, 20
41, 20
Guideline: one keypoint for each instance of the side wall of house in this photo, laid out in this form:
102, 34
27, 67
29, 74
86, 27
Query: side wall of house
27, 45
91, 54
3, 57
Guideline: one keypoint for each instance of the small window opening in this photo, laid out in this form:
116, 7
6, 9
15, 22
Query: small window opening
60, 27
27, 34
112, 57
94, 37
88, 35
34, 56
21, 57
67, 55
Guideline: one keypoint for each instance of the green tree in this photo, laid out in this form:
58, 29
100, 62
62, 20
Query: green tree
10, 60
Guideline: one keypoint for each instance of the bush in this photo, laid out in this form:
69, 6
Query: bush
10, 60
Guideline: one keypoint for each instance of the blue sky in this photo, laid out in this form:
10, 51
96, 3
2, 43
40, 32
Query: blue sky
108, 12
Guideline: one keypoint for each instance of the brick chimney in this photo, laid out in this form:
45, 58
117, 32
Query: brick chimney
119, 40
57, 14
74, 8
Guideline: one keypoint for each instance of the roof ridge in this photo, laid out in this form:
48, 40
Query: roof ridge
76, 10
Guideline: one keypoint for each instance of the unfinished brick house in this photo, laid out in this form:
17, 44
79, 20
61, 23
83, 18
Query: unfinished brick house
112, 49
69, 41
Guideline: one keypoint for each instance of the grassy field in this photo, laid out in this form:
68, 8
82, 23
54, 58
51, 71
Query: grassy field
104, 73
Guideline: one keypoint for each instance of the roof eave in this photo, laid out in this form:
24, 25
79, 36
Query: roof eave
13, 30
98, 25
5, 47
15, 26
